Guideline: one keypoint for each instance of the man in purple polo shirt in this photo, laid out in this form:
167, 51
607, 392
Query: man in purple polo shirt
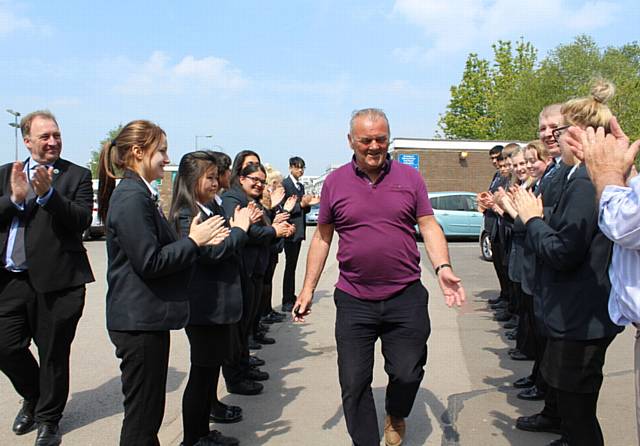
373, 203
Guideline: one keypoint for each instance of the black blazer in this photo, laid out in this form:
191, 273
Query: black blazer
255, 254
298, 212
148, 266
492, 223
552, 184
572, 281
55, 254
215, 295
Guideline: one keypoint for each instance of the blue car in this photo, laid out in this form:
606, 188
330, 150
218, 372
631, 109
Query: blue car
456, 213
311, 218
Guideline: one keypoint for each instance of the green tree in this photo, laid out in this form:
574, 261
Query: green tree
95, 154
518, 87
474, 109
468, 114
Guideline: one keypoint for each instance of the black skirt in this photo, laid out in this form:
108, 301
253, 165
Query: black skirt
574, 366
211, 345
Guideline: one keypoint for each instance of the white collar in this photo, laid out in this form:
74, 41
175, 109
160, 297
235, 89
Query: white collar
218, 199
31, 164
154, 192
205, 209
296, 182
573, 169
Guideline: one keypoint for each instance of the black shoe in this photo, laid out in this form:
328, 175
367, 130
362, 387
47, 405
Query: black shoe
225, 414
502, 316
277, 315
539, 423
494, 300
287, 308
48, 435
245, 387
511, 323
562, 441
273, 318
254, 361
253, 345
523, 383
218, 438
256, 375
264, 340
24, 421
500, 305
519, 356
263, 327
531, 394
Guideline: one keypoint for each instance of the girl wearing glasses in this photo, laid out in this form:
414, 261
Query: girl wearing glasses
248, 183
572, 283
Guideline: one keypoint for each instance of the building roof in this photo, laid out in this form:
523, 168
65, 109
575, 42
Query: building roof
445, 144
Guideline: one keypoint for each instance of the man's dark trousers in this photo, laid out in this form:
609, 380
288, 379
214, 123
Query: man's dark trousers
51, 320
291, 253
402, 323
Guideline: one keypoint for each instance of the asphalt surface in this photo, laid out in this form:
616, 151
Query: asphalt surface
466, 397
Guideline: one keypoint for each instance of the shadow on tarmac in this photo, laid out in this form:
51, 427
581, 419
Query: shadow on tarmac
263, 413
104, 401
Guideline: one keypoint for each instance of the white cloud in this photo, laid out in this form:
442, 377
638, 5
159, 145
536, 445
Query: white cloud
457, 25
158, 75
11, 21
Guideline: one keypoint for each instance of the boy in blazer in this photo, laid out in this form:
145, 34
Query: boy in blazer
45, 205
293, 187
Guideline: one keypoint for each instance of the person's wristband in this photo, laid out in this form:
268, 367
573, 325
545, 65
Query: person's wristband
439, 267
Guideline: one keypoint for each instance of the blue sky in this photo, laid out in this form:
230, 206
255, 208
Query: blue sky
278, 77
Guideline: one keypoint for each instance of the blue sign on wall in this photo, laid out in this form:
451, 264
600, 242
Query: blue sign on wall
410, 159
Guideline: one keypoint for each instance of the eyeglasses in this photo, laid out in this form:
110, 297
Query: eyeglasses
558, 131
382, 140
257, 180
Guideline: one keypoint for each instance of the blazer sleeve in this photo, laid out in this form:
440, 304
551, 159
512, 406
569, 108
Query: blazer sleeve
7, 209
564, 247
289, 190
261, 235
214, 254
73, 213
258, 235
138, 225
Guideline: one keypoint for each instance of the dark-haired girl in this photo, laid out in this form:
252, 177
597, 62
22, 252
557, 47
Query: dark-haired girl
247, 185
147, 273
214, 295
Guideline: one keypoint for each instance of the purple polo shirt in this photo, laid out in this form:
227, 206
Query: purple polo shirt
377, 251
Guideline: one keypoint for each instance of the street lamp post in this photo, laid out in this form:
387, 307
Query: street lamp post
202, 136
15, 126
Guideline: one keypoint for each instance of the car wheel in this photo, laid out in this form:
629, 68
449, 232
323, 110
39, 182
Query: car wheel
86, 235
485, 247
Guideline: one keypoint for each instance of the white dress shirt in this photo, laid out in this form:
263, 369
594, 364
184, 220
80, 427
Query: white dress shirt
619, 220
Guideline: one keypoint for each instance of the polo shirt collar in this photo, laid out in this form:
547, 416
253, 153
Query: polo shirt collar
386, 167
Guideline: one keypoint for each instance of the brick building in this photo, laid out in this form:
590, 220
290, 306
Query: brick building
447, 165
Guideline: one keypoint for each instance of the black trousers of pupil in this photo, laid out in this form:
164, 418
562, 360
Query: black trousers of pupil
402, 324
